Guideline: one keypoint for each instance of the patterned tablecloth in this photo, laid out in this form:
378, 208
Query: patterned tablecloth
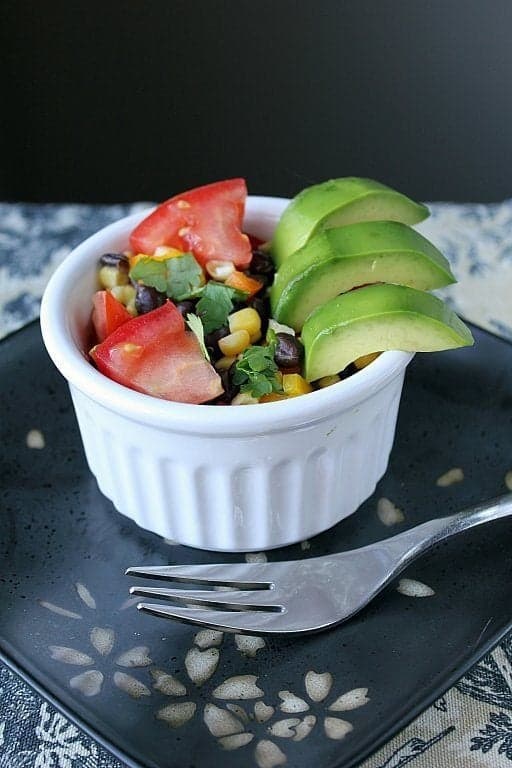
469, 727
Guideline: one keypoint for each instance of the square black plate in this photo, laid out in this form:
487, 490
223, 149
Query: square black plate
66, 626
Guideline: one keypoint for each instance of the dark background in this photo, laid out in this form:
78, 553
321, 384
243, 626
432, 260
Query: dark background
117, 101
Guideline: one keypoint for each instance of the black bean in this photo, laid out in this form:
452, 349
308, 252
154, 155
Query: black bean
262, 306
348, 371
288, 351
230, 389
237, 305
147, 299
261, 263
186, 307
119, 260
212, 339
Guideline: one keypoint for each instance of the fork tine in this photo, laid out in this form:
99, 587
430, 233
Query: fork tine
257, 600
241, 575
241, 622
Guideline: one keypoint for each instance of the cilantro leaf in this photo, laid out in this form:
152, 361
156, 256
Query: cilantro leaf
150, 272
180, 277
256, 371
215, 304
184, 277
196, 326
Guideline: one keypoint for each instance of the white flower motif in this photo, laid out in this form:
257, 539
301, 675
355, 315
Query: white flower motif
318, 687
234, 726
61, 744
102, 639
201, 663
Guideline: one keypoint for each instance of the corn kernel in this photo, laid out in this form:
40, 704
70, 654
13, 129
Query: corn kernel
294, 384
224, 363
365, 360
246, 319
234, 343
273, 397
124, 293
326, 381
220, 270
255, 337
244, 398
110, 277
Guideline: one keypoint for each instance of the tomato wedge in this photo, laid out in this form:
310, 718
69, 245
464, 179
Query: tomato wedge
206, 221
154, 354
107, 314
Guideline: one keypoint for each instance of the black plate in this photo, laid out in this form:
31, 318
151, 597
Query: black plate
57, 532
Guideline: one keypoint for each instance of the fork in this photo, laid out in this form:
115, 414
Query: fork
303, 596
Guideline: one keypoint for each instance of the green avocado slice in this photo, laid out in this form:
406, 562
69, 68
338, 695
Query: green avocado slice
340, 259
335, 203
375, 319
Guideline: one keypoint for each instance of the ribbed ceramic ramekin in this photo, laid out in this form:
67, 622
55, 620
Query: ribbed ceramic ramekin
232, 479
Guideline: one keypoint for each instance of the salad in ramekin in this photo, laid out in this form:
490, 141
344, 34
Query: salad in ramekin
242, 479
195, 310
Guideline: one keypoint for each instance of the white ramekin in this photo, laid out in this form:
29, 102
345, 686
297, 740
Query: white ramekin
232, 479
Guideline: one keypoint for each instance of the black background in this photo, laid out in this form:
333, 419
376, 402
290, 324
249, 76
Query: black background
137, 99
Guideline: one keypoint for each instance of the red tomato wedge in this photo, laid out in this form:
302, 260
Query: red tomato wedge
206, 220
154, 354
107, 314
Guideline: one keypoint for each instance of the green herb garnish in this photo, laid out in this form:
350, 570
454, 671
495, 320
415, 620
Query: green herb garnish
256, 371
196, 326
216, 304
180, 277
150, 272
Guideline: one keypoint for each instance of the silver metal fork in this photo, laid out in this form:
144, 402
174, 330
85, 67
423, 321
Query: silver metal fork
300, 596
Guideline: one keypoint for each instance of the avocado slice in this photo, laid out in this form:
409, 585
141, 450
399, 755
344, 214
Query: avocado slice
340, 259
374, 319
337, 202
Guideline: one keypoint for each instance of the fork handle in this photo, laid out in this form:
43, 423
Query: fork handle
410, 544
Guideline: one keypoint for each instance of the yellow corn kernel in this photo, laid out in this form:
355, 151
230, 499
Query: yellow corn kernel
255, 337
365, 360
244, 398
273, 397
110, 277
224, 363
326, 381
124, 293
234, 343
220, 270
246, 319
294, 384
